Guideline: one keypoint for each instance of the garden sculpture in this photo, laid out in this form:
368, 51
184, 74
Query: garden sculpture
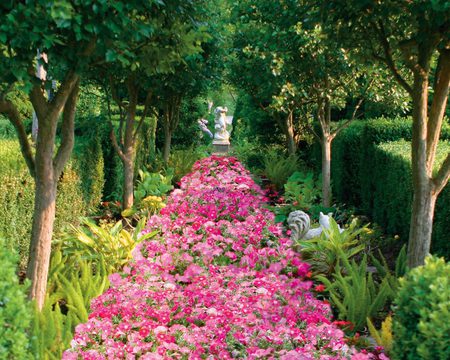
299, 223
221, 123
204, 127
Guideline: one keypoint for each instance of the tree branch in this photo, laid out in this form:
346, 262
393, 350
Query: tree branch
67, 132
38, 100
443, 175
144, 114
112, 134
355, 110
380, 31
438, 106
8, 108
58, 102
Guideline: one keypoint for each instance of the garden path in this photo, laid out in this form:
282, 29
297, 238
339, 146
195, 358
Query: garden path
220, 281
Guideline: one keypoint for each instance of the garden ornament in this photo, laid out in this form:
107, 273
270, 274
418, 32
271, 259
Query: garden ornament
300, 223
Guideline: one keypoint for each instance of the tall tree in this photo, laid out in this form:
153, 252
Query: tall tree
168, 35
71, 34
411, 39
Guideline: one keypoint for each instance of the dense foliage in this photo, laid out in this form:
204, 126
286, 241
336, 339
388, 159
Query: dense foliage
421, 323
15, 311
367, 171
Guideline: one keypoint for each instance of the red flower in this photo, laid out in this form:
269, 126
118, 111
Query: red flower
320, 288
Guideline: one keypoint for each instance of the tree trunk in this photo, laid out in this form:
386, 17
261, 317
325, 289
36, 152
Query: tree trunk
423, 199
167, 144
288, 128
421, 225
152, 139
326, 171
42, 230
44, 210
128, 181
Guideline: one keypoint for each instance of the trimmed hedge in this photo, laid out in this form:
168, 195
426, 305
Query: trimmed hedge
17, 198
378, 180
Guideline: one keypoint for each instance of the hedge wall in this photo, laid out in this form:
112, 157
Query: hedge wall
376, 177
17, 198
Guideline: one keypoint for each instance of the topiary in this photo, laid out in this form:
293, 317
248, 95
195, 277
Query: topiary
15, 311
421, 324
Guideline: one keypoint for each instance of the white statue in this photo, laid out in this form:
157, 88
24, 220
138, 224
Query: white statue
204, 127
299, 223
222, 125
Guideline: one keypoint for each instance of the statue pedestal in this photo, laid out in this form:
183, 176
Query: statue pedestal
221, 146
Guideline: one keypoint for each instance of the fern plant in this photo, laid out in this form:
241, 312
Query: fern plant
354, 293
73, 283
278, 167
323, 253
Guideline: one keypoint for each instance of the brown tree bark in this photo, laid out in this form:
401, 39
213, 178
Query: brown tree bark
287, 126
125, 142
425, 138
326, 171
171, 119
48, 169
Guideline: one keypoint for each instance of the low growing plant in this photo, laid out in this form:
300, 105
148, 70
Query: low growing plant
73, 283
110, 242
421, 323
383, 337
324, 252
278, 167
355, 294
301, 192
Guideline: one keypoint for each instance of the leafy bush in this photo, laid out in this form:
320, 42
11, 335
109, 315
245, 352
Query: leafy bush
15, 311
323, 253
355, 294
109, 242
421, 323
17, 198
7, 130
301, 192
249, 153
278, 167
90, 168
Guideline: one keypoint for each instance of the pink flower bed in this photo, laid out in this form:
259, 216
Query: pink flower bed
219, 282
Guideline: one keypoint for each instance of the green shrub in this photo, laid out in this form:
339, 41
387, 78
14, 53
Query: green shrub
15, 310
355, 294
7, 130
323, 252
301, 192
17, 199
279, 167
421, 324
90, 167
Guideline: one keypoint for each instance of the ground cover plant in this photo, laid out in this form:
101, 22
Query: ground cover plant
219, 281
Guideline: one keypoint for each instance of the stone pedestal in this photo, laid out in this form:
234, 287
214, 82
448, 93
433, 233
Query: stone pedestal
221, 146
